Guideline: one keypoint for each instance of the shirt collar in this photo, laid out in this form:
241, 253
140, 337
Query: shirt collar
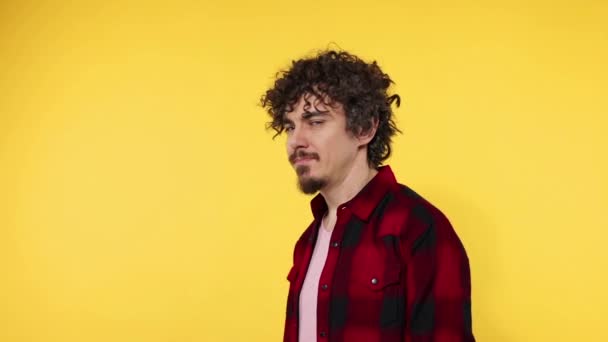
363, 204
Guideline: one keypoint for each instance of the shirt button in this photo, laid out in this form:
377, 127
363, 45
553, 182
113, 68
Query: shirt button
335, 244
374, 281
324, 287
323, 334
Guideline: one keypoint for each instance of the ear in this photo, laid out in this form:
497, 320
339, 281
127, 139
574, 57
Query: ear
365, 137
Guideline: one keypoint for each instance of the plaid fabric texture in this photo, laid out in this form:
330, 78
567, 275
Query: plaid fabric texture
395, 271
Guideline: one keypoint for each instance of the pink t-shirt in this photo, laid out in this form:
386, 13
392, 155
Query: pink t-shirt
310, 288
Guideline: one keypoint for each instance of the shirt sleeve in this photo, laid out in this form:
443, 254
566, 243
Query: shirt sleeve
438, 282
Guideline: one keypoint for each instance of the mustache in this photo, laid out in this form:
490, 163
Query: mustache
302, 154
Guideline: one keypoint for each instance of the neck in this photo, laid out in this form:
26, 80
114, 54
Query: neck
348, 186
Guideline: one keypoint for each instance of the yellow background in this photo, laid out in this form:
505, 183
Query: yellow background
141, 198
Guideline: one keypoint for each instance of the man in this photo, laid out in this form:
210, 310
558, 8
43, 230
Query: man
378, 262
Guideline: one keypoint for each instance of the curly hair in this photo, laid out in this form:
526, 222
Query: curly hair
360, 87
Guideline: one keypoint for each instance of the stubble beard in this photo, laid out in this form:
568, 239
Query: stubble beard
308, 185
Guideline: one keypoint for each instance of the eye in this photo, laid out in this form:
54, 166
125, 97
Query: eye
316, 123
288, 129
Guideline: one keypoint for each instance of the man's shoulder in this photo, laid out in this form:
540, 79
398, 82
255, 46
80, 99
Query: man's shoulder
416, 209
404, 197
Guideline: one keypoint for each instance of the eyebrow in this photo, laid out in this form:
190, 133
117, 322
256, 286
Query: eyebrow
307, 116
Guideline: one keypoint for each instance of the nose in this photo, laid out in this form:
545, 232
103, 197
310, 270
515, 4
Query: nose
298, 138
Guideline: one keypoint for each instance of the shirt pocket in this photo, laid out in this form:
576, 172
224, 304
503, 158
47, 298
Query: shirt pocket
292, 274
381, 288
378, 277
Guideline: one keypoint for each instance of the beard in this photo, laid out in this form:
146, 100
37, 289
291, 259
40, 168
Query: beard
309, 185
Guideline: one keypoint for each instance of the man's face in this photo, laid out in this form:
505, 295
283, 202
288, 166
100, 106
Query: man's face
318, 145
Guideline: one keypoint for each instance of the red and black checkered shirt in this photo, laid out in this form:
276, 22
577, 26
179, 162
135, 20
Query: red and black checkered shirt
395, 271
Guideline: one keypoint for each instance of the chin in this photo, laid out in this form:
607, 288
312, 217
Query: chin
303, 171
310, 185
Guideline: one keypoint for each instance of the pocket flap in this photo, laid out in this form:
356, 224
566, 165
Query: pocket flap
382, 277
292, 275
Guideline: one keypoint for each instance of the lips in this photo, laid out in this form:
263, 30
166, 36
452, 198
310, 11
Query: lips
302, 157
303, 160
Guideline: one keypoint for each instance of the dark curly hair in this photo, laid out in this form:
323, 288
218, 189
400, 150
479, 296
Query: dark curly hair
339, 76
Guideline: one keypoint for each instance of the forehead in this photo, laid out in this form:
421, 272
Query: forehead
310, 103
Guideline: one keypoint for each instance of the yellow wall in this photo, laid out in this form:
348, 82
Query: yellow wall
141, 198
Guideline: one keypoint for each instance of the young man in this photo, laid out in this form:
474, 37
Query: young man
378, 262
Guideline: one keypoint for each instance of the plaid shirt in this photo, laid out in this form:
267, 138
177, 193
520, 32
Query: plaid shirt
395, 271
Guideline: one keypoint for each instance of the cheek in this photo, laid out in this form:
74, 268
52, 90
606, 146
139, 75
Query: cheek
288, 148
